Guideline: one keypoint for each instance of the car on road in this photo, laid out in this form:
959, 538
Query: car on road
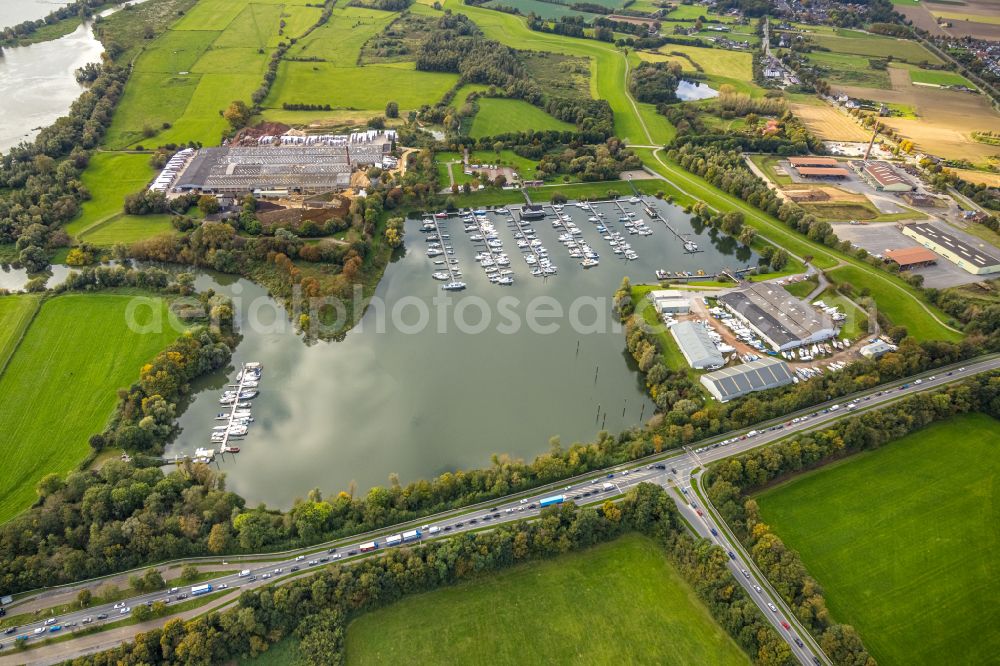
447, 528
10, 630
332, 551
694, 504
181, 596
54, 628
524, 501
473, 521
487, 517
785, 625
798, 641
102, 616
251, 579
125, 611
698, 511
266, 576
746, 574
732, 555
312, 563
684, 490
300, 558
52, 620
757, 587
774, 609
324, 559
224, 586
459, 524
70, 624
673, 470
610, 476
279, 570
86, 620
39, 630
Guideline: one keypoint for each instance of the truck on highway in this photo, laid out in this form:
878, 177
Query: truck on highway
394, 540
412, 535
549, 501
434, 530
245, 573
200, 589
368, 547
607, 486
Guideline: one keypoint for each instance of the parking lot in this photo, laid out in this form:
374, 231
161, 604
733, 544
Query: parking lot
877, 238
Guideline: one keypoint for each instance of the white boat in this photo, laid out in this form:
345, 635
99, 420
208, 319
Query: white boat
690, 246
589, 263
434, 252
505, 280
453, 286
634, 200
441, 275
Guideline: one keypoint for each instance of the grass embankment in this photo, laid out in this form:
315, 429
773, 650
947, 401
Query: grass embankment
903, 541
16, 312
60, 386
901, 302
802, 288
619, 602
939, 78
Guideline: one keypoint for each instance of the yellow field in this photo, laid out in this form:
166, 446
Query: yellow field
989, 178
829, 123
715, 62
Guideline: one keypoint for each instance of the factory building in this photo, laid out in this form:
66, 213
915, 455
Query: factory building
782, 321
739, 380
882, 176
975, 260
670, 301
698, 349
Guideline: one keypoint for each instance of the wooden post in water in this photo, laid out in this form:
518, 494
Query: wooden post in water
596, 370
598, 417
642, 412
604, 421
577, 347
623, 407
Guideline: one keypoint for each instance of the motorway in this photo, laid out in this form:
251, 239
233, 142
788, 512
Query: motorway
674, 471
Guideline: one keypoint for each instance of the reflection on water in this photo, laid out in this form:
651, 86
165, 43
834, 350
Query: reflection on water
421, 402
689, 91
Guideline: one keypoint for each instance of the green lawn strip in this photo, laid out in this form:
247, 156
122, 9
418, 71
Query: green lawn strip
905, 299
16, 313
73, 358
903, 541
502, 116
652, 610
110, 177
939, 78
802, 288
128, 229
766, 164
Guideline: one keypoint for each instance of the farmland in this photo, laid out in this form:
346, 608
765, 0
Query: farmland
875, 46
630, 579
939, 78
498, 116
828, 123
903, 541
16, 312
77, 352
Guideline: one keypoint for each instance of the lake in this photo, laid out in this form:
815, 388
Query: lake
419, 400
19, 11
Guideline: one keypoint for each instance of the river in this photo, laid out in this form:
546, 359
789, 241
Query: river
424, 401
19, 11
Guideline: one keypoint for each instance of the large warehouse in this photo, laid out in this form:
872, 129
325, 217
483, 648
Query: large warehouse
762, 374
698, 349
281, 169
882, 176
780, 319
670, 301
966, 256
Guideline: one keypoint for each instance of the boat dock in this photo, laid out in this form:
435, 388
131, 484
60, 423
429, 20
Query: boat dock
239, 416
495, 263
529, 246
453, 272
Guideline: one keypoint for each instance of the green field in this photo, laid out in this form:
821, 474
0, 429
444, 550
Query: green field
716, 62
128, 229
60, 386
901, 311
546, 10
850, 70
875, 46
368, 87
499, 116
16, 312
340, 39
903, 541
110, 177
619, 602
215, 54
939, 78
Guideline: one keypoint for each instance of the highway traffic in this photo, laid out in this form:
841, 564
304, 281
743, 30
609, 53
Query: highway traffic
675, 471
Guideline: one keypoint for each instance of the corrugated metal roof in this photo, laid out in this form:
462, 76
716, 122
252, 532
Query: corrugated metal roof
697, 347
757, 375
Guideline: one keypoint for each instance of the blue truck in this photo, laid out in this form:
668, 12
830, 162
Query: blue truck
549, 501
200, 589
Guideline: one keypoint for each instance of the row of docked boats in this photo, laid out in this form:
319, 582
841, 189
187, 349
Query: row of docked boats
572, 238
439, 243
489, 255
239, 417
532, 250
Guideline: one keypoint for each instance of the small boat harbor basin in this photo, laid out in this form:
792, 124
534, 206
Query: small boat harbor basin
457, 393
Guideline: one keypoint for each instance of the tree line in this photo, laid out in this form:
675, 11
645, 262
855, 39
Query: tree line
315, 610
729, 484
